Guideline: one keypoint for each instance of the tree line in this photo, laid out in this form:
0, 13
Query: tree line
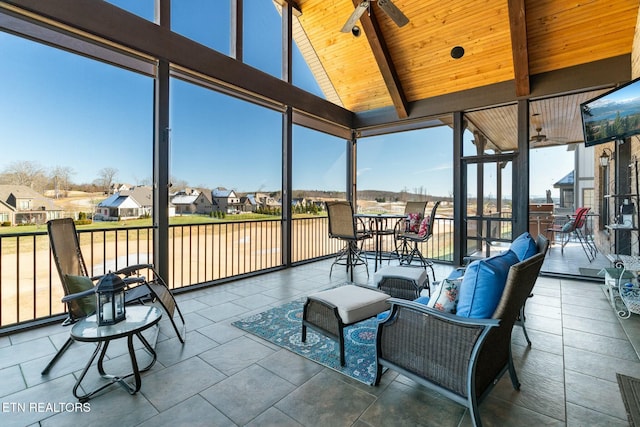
58, 178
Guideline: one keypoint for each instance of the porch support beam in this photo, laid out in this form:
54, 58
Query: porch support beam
352, 167
520, 196
459, 199
161, 171
287, 140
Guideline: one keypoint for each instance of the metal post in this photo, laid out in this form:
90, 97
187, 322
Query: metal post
161, 171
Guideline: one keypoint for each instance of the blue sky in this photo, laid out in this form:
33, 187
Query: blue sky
60, 109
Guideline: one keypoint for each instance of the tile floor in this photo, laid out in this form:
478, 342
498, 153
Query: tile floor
223, 376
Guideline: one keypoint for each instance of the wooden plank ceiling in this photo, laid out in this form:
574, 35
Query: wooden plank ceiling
498, 45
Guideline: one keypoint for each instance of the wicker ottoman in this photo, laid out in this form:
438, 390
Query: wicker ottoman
328, 312
402, 281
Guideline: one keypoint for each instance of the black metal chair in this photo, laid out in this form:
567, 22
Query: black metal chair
574, 226
342, 225
402, 225
79, 286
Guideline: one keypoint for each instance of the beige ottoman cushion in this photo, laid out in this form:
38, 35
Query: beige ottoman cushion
418, 275
355, 303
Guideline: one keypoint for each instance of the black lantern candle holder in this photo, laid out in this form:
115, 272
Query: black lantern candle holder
110, 299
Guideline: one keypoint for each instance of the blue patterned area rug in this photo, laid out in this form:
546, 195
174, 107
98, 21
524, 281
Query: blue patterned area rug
283, 326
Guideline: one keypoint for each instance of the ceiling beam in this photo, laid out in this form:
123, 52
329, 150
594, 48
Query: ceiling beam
518, 26
385, 64
605, 73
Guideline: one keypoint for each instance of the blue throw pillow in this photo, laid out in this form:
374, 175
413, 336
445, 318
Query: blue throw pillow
524, 246
483, 284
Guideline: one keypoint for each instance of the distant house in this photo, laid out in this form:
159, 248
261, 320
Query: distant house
566, 185
298, 202
320, 204
7, 213
225, 201
20, 204
134, 203
248, 203
117, 188
267, 202
194, 203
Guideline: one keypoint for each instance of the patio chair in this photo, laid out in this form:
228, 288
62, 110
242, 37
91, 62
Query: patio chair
402, 225
459, 357
542, 246
574, 226
411, 241
342, 226
79, 286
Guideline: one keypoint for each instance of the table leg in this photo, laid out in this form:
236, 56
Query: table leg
121, 380
83, 398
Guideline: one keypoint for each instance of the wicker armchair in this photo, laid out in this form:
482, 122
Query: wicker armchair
461, 358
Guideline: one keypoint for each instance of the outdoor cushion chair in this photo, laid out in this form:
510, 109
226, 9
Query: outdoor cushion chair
342, 226
524, 246
461, 358
79, 287
574, 226
409, 249
411, 210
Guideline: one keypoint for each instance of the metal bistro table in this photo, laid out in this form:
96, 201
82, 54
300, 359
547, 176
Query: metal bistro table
139, 318
379, 227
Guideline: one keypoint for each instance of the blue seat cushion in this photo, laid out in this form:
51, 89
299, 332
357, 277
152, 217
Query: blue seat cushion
482, 285
456, 274
524, 246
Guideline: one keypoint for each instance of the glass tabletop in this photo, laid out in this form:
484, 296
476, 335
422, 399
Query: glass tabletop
138, 318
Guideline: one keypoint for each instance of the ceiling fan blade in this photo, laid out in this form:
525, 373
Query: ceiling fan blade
360, 10
393, 12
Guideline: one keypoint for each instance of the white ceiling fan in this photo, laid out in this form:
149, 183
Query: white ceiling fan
387, 7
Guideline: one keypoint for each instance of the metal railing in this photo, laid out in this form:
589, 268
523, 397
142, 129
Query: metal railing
30, 287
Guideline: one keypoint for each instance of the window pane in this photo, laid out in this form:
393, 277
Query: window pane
407, 166
548, 166
302, 75
204, 21
71, 117
142, 8
319, 162
220, 141
263, 37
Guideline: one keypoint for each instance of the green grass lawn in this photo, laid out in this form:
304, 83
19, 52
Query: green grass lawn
146, 222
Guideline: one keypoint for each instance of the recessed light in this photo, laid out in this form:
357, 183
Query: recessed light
457, 52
